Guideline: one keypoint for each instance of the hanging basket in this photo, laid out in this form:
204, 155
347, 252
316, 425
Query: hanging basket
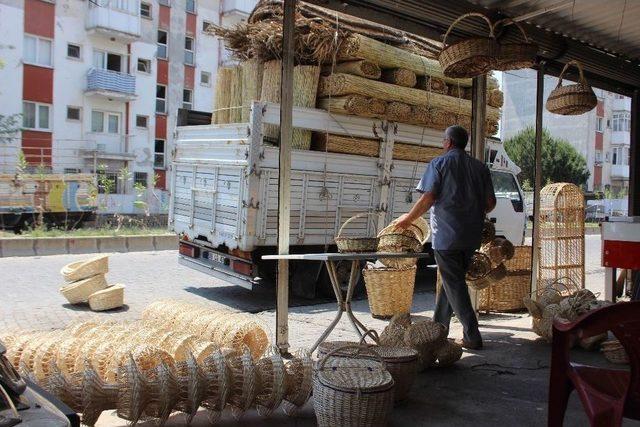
573, 99
389, 290
356, 244
469, 57
514, 56
488, 231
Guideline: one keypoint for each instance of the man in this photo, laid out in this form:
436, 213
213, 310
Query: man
459, 189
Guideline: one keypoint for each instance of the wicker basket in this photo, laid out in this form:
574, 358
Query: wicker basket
78, 292
488, 232
389, 290
514, 56
352, 391
402, 364
614, 352
506, 294
82, 269
406, 241
573, 99
521, 260
356, 244
107, 299
479, 268
449, 353
469, 57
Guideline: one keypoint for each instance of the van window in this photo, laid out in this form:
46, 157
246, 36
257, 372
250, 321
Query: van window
505, 186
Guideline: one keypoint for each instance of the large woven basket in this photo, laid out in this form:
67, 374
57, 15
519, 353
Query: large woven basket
409, 240
107, 299
82, 269
614, 352
389, 290
573, 99
356, 244
506, 294
469, 57
352, 391
80, 291
516, 55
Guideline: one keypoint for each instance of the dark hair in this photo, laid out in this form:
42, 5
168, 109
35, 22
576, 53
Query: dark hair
458, 136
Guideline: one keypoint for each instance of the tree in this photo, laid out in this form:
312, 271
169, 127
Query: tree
560, 161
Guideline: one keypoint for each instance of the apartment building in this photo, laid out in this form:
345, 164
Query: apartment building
601, 135
99, 82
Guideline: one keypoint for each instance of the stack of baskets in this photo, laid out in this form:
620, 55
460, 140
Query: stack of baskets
507, 293
86, 282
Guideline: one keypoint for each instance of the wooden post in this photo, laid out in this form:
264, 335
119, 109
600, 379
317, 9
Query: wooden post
478, 123
634, 156
284, 182
537, 187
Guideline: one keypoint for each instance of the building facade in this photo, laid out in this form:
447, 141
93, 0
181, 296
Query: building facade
98, 83
601, 135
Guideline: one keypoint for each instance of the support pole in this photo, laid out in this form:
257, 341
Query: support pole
537, 186
634, 156
478, 124
284, 176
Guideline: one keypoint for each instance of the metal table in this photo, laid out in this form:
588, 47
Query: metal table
344, 302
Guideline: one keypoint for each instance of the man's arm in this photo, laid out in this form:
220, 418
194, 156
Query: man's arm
421, 207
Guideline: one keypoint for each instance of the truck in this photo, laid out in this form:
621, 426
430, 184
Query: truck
224, 193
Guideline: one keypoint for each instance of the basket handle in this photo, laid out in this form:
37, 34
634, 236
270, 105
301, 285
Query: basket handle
581, 80
360, 215
512, 22
359, 349
460, 18
373, 334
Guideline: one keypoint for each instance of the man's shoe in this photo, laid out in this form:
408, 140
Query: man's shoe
469, 345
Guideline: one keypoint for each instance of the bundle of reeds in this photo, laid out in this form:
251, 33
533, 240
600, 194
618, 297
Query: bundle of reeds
360, 68
251, 85
400, 77
355, 105
236, 100
305, 84
345, 144
223, 95
398, 112
432, 84
459, 91
495, 98
412, 152
345, 84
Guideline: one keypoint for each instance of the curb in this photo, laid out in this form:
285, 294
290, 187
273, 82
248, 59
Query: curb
42, 246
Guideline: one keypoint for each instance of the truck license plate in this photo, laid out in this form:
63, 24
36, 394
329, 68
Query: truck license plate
216, 258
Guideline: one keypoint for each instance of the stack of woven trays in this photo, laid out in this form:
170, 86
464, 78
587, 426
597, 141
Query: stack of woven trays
86, 283
506, 294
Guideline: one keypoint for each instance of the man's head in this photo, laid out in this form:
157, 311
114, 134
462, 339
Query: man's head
455, 137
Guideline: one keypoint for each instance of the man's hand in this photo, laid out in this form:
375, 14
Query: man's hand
404, 221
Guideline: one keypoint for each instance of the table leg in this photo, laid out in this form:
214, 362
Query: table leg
353, 280
341, 305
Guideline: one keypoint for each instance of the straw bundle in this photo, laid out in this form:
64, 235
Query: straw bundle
400, 77
223, 95
361, 68
495, 98
355, 105
357, 46
345, 84
236, 96
411, 152
432, 84
251, 71
345, 144
305, 84
458, 91
398, 112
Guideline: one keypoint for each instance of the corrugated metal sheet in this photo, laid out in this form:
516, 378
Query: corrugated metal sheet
611, 25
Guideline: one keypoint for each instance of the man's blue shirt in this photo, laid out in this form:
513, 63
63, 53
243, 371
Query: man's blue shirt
461, 186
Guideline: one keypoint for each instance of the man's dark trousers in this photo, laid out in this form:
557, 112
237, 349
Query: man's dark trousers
454, 295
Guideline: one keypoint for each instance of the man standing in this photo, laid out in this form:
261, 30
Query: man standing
459, 189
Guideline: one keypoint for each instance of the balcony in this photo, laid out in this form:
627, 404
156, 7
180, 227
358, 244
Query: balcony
620, 172
102, 147
119, 19
111, 84
620, 137
621, 104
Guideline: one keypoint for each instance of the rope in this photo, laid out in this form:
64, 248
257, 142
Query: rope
622, 19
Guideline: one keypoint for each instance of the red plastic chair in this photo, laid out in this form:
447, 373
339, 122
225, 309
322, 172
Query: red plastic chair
607, 395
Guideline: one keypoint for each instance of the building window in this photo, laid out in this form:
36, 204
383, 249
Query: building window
190, 6
113, 123
71, 170
599, 124
73, 51
142, 122
621, 121
161, 99
37, 51
97, 121
108, 182
164, 2
606, 157
205, 78
140, 178
207, 27
73, 113
627, 156
36, 116
188, 50
98, 124
162, 44
158, 154
145, 10
107, 61
187, 99
144, 65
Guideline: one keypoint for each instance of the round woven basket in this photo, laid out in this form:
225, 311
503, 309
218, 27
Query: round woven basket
299, 382
614, 352
573, 99
410, 240
356, 244
499, 250
424, 333
448, 353
512, 55
479, 266
78, 292
469, 57
402, 364
488, 231
353, 391
271, 377
82, 269
389, 290
107, 299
